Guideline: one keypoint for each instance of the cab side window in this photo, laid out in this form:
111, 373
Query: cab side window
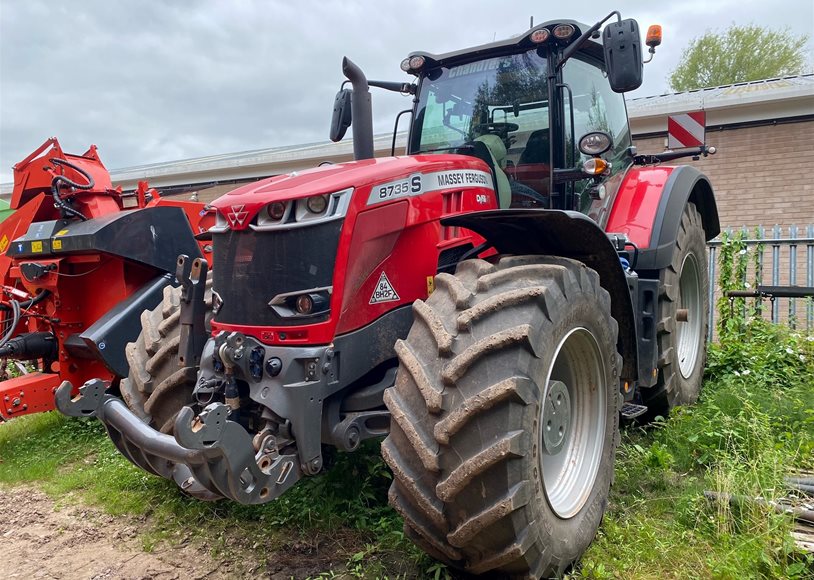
596, 108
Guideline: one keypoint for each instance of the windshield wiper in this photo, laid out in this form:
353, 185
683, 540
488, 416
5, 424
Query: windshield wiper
456, 148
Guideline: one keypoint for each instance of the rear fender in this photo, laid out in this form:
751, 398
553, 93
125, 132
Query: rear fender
649, 206
571, 235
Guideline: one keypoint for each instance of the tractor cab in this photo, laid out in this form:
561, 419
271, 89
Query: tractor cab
539, 109
523, 108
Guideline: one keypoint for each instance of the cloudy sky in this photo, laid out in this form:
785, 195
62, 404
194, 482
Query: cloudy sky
155, 81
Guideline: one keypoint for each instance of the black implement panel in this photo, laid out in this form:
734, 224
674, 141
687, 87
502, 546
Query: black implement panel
153, 236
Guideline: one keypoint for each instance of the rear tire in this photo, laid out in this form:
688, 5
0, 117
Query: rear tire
479, 484
684, 284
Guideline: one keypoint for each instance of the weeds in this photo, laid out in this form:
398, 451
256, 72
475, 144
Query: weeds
754, 422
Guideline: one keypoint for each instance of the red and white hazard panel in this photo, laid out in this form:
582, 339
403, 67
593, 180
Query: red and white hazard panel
686, 130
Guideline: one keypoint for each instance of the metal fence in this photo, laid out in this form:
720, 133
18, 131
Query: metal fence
781, 255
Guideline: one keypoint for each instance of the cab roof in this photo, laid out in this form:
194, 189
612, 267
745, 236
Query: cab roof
512, 45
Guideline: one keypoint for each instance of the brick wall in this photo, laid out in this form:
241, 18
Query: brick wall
760, 175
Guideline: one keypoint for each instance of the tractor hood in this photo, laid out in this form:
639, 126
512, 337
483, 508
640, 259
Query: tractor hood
246, 201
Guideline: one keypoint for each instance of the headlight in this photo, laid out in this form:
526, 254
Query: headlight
317, 204
595, 143
303, 211
276, 210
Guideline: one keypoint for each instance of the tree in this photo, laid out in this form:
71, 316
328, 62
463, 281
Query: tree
740, 54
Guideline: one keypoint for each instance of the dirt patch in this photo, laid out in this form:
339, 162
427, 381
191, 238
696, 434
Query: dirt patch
39, 541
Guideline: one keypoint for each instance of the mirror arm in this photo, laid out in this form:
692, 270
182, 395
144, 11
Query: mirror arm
396, 87
577, 44
657, 158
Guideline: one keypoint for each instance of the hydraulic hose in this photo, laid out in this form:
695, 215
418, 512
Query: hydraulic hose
61, 179
15, 320
41, 295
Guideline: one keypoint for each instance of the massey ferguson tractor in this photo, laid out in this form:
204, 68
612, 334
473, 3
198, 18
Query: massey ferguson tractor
77, 270
492, 303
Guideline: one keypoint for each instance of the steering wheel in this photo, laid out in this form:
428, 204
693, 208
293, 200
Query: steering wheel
496, 128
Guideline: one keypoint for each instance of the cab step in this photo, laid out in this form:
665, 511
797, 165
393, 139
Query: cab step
632, 410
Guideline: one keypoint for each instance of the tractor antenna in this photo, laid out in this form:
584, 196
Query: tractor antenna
531, 21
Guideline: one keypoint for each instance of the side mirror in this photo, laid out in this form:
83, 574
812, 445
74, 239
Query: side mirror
623, 55
341, 119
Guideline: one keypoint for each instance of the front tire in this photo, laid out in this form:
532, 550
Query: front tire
505, 416
156, 388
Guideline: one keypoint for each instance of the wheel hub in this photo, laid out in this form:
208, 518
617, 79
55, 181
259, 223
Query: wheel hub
556, 417
573, 422
689, 323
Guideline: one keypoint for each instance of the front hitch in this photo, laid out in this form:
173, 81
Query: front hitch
209, 457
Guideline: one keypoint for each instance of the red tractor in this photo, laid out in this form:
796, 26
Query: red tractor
78, 268
492, 302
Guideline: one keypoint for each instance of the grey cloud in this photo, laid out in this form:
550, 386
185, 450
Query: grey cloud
154, 81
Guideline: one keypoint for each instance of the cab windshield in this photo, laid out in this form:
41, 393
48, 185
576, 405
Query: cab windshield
505, 97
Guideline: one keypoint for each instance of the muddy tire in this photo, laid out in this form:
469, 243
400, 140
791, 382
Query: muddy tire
683, 285
157, 388
485, 479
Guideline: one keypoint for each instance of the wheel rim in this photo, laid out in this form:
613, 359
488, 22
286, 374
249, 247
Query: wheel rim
689, 331
574, 400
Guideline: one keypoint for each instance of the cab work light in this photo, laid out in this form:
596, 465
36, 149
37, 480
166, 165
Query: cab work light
539, 36
563, 31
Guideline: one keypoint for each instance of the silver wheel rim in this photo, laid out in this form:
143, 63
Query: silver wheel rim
569, 463
688, 334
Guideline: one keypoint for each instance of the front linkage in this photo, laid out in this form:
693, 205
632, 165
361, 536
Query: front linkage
209, 455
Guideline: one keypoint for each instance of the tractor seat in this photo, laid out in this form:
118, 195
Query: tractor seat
497, 150
537, 148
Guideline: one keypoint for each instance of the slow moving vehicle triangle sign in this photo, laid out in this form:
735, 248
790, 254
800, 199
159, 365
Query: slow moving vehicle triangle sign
384, 291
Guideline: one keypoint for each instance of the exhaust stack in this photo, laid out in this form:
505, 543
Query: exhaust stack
361, 110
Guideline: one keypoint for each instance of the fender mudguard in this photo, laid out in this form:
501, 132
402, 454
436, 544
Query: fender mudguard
569, 234
649, 205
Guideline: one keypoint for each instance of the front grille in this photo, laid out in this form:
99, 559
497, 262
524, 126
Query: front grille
252, 267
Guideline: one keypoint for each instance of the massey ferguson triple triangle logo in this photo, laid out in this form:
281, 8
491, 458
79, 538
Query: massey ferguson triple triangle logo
237, 216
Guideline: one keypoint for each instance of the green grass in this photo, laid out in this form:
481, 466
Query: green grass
755, 421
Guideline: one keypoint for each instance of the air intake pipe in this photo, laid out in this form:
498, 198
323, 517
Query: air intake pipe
361, 111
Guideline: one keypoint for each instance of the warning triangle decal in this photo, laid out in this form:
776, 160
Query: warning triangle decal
384, 291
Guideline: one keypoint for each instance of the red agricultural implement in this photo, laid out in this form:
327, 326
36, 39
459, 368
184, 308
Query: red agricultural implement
78, 267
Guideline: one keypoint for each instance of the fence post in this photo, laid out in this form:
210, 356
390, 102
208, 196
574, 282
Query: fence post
775, 270
761, 235
793, 275
711, 293
810, 276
